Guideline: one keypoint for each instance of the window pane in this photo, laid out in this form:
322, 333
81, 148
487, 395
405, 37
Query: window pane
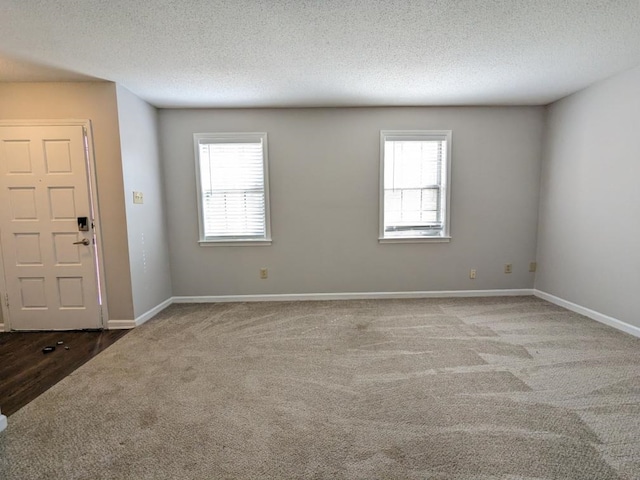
233, 166
393, 206
234, 214
412, 164
410, 207
430, 205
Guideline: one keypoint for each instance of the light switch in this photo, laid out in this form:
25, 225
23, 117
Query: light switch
137, 197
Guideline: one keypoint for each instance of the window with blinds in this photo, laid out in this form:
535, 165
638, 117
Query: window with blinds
414, 185
233, 187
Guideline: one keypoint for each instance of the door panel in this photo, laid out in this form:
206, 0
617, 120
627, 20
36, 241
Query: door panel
49, 265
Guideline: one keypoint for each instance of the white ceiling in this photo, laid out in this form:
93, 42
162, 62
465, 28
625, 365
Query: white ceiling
248, 53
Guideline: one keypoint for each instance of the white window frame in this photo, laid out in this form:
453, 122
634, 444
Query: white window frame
239, 137
445, 185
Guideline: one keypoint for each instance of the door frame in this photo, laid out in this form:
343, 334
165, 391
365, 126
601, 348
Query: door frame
93, 194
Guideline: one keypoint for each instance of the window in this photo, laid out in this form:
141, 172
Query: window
414, 183
233, 190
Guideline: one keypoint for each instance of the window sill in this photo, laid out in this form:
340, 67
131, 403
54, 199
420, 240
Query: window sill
235, 243
414, 240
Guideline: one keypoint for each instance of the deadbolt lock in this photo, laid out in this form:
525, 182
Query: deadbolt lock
83, 224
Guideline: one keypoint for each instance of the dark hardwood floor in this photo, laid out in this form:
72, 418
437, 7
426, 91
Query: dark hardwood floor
26, 372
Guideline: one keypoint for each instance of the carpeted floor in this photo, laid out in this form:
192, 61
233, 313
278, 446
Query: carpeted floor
508, 388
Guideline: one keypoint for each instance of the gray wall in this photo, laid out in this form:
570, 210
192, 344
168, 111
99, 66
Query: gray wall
324, 166
95, 101
588, 240
146, 224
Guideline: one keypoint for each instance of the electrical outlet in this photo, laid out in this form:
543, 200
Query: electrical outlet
264, 273
533, 266
472, 274
508, 268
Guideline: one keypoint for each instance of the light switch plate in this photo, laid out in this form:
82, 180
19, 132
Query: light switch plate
137, 197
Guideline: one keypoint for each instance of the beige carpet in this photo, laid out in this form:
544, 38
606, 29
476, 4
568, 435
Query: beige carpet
509, 388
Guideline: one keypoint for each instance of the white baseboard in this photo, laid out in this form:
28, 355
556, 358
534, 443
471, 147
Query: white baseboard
350, 296
121, 324
153, 312
1, 327
128, 324
587, 312
291, 297
3, 422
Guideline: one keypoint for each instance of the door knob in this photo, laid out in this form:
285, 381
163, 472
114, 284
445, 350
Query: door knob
84, 241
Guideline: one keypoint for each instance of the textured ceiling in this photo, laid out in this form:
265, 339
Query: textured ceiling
242, 53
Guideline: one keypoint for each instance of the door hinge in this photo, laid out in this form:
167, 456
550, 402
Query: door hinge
6, 299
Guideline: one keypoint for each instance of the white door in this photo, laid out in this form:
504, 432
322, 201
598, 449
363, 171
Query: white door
50, 264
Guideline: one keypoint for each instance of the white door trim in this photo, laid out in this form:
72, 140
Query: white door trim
93, 188
4, 310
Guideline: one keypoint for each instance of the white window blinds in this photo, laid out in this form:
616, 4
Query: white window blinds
414, 184
233, 193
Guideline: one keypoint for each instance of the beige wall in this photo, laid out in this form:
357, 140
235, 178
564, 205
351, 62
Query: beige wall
324, 182
95, 101
590, 201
